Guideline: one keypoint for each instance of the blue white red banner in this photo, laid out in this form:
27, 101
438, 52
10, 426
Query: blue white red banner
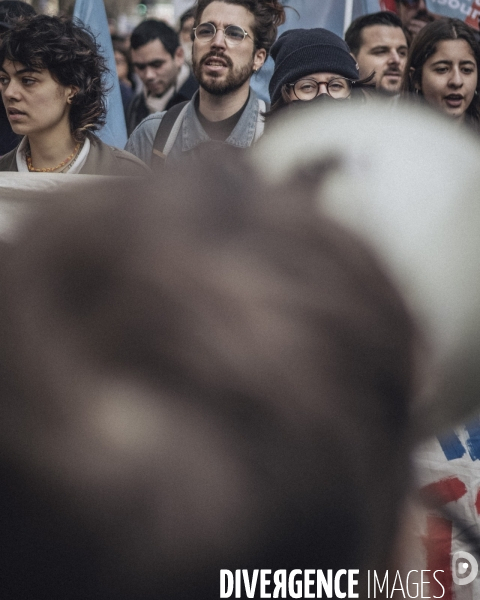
466, 10
448, 468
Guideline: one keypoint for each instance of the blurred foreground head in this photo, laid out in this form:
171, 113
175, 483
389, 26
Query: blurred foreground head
201, 378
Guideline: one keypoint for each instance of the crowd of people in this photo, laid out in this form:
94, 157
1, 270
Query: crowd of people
207, 373
183, 89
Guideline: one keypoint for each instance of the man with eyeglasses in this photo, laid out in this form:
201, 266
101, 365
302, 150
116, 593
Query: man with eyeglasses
230, 43
414, 14
158, 59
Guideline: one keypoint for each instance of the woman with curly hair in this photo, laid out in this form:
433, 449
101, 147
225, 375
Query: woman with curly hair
51, 79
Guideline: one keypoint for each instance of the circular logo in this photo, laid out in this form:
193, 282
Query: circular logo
464, 568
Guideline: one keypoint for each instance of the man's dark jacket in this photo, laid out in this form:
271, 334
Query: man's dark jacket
138, 109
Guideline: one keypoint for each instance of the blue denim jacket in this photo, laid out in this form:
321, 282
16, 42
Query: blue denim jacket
192, 133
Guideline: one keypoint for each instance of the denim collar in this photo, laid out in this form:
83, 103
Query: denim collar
242, 135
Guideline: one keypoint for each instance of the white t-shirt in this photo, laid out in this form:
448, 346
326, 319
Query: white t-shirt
75, 168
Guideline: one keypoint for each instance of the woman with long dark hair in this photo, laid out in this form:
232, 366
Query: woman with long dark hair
442, 68
52, 86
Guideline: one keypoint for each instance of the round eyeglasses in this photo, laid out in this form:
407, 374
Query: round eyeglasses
234, 34
308, 89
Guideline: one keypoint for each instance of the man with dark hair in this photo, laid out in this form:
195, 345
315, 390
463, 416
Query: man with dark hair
232, 39
379, 43
9, 11
414, 14
158, 59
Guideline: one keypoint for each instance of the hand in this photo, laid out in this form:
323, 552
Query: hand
415, 25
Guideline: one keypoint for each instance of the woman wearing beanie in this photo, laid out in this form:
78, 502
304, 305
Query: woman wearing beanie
310, 63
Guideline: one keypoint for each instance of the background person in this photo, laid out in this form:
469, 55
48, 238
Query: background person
125, 72
51, 84
442, 69
380, 45
158, 59
414, 15
185, 34
232, 41
310, 63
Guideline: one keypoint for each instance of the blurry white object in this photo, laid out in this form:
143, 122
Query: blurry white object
407, 182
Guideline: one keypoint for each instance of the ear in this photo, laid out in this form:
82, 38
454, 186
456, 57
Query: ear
416, 84
259, 58
179, 57
72, 91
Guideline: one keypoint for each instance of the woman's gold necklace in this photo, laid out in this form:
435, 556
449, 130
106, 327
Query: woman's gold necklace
32, 169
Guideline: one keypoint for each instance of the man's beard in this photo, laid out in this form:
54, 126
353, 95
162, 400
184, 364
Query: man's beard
389, 91
221, 86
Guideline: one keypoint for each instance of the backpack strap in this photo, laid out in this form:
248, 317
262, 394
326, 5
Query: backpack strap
166, 134
260, 124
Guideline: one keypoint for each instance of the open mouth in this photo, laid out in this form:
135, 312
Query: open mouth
454, 100
216, 62
393, 74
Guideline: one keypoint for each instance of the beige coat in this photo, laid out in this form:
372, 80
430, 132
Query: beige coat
101, 160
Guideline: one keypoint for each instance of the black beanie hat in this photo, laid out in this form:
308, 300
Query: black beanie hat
301, 52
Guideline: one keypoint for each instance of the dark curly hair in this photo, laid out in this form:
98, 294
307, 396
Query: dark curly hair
268, 14
71, 55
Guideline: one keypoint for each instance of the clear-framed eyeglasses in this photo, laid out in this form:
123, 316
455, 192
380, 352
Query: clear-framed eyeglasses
306, 89
234, 34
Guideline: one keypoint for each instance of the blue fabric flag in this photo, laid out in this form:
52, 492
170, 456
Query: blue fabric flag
329, 14
305, 14
92, 14
370, 6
